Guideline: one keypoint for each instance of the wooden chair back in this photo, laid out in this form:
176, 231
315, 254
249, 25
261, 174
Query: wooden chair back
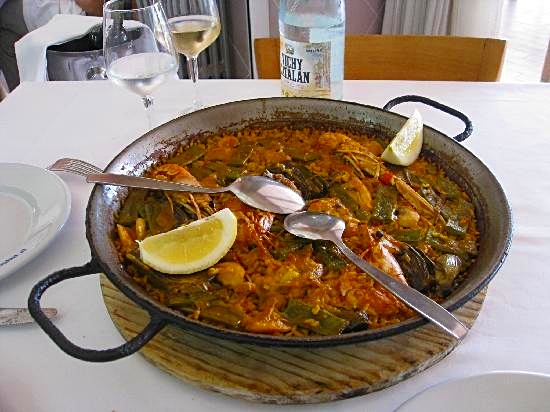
404, 57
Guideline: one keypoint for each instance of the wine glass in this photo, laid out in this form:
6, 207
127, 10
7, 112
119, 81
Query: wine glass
137, 47
195, 25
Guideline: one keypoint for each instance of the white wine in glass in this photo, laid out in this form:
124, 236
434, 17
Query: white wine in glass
137, 47
195, 27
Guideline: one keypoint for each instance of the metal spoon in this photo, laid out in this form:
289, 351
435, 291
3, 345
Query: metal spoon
319, 226
257, 191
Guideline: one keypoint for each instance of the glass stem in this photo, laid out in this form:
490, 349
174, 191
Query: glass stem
193, 69
148, 103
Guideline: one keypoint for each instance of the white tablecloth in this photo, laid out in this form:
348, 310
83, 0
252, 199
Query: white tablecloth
40, 122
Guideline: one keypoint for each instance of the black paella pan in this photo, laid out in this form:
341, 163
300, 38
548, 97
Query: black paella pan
492, 211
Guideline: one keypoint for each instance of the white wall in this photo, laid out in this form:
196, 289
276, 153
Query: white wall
362, 16
476, 18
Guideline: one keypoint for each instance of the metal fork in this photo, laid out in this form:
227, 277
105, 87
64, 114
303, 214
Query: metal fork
79, 167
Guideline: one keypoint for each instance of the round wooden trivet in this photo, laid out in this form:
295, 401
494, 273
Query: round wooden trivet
286, 375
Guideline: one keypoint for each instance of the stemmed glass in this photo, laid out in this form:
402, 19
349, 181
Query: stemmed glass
137, 47
195, 25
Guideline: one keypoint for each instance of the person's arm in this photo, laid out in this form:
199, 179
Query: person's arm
91, 7
39, 12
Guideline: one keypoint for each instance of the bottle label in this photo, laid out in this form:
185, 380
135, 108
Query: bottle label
305, 69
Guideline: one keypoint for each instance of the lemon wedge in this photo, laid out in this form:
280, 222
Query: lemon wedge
405, 147
192, 247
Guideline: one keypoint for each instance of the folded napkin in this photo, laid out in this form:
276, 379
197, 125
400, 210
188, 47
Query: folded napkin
30, 50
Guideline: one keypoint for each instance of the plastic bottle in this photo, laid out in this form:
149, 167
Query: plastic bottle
312, 47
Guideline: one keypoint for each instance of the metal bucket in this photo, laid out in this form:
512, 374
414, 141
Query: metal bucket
78, 59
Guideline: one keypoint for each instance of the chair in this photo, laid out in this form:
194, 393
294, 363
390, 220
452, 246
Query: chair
402, 57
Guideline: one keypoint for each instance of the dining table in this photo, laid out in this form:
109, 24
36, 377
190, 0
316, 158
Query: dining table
41, 122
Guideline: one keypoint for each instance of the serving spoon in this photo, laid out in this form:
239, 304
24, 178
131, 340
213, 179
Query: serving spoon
257, 191
320, 226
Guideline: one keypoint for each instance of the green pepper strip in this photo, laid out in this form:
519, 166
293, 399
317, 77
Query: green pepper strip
323, 322
408, 235
222, 314
241, 155
224, 174
190, 155
385, 202
329, 255
457, 224
301, 154
130, 209
347, 200
455, 227
463, 248
289, 244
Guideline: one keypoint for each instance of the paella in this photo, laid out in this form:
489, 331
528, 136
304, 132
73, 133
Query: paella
413, 222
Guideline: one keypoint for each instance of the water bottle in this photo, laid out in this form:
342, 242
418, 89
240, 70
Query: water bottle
312, 47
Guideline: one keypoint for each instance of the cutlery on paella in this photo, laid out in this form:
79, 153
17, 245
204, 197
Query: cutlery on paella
320, 226
260, 192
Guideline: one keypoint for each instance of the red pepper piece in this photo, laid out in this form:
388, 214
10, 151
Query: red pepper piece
387, 178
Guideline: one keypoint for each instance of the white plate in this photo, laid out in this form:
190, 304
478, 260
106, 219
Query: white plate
501, 391
34, 205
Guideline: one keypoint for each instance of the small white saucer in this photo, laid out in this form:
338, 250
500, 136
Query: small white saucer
34, 205
502, 391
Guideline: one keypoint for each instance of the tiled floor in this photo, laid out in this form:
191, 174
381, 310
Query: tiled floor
526, 27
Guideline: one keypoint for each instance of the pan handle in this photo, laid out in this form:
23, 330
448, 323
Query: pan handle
449, 110
90, 355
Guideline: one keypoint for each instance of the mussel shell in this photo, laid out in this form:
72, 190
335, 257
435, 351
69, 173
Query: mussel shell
418, 269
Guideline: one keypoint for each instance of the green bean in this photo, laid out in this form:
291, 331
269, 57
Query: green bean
447, 188
241, 155
385, 203
464, 248
142, 268
433, 199
130, 209
310, 185
190, 155
329, 255
223, 314
408, 235
159, 215
224, 174
301, 154
347, 200
179, 286
456, 227
290, 244
322, 322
